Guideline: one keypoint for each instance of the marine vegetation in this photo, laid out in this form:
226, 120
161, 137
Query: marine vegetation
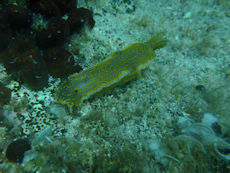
28, 27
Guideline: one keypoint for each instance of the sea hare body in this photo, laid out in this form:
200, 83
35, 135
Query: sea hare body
118, 69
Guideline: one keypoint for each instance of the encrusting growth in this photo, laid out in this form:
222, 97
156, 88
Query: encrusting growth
118, 69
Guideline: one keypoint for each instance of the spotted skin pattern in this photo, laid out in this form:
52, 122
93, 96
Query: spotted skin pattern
118, 69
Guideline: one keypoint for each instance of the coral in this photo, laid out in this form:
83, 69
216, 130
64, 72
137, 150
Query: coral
118, 69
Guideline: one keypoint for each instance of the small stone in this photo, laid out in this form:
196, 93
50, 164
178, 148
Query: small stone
15, 151
187, 15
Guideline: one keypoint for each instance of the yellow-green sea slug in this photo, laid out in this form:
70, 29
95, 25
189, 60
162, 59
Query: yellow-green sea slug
118, 69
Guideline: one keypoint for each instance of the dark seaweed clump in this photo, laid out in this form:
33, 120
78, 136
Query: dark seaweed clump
59, 58
5, 94
15, 151
29, 54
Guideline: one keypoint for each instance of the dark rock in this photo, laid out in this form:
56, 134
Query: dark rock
15, 151
200, 87
217, 129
